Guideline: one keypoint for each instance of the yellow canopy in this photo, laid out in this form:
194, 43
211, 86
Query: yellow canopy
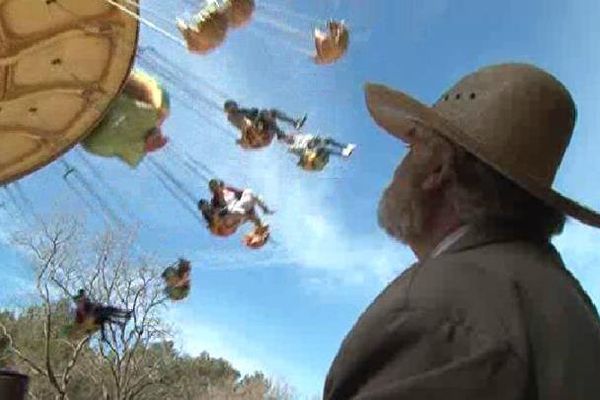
61, 65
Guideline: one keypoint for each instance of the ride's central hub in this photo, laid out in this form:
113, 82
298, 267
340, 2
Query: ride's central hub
58, 75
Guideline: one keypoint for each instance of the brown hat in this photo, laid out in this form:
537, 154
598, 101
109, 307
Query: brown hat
516, 118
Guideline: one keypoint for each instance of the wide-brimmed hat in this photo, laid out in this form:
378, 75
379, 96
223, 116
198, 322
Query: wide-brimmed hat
517, 118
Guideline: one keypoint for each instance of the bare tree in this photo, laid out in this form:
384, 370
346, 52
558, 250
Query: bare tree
48, 252
124, 365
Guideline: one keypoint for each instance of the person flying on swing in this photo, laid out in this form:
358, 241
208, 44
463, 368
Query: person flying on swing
229, 208
97, 315
332, 43
314, 151
177, 280
258, 126
232, 201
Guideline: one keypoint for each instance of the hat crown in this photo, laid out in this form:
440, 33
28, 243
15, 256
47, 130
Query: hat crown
516, 114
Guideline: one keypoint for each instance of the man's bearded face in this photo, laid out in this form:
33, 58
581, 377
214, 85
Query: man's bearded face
401, 211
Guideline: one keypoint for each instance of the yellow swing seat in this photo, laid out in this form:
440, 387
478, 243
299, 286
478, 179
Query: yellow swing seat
257, 237
330, 46
314, 160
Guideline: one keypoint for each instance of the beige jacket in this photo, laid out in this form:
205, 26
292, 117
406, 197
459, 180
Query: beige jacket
494, 317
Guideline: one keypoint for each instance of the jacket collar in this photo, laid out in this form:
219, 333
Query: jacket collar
480, 235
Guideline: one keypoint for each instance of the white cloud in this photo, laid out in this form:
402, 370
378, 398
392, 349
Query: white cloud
315, 234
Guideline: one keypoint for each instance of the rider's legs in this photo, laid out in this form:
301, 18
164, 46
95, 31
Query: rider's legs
337, 148
274, 114
333, 142
279, 133
246, 204
253, 217
111, 313
300, 143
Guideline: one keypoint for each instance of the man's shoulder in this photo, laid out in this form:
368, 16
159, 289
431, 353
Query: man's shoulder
483, 270
454, 272
498, 260
464, 287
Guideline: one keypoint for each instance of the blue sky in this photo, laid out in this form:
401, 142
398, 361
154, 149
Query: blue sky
286, 308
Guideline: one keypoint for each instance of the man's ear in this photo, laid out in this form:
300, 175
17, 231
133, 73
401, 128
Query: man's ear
438, 176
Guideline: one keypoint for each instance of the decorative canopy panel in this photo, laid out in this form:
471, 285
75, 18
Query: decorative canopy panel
62, 62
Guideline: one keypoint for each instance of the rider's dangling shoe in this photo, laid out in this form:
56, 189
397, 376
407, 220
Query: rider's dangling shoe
300, 123
348, 150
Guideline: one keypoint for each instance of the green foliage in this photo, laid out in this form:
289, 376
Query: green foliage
135, 362
181, 376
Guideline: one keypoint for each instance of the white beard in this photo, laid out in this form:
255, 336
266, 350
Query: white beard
400, 212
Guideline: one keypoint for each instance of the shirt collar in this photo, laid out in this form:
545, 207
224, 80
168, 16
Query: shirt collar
449, 240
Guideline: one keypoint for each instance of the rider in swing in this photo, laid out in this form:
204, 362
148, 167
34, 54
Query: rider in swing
178, 280
314, 151
258, 126
98, 315
231, 207
230, 200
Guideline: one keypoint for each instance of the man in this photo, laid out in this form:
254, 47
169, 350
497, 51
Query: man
253, 122
314, 151
489, 311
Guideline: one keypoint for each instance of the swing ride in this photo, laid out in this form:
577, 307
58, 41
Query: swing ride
67, 78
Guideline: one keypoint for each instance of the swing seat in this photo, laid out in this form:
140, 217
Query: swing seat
332, 45
80, 330
314, 160
89, 325
257, 237
170, 276
70, 331
256, 136
208, 32
178, 293
238, 12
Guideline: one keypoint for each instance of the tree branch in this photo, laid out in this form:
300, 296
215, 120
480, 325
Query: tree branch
72, 361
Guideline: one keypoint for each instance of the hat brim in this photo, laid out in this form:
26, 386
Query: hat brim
396, 112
